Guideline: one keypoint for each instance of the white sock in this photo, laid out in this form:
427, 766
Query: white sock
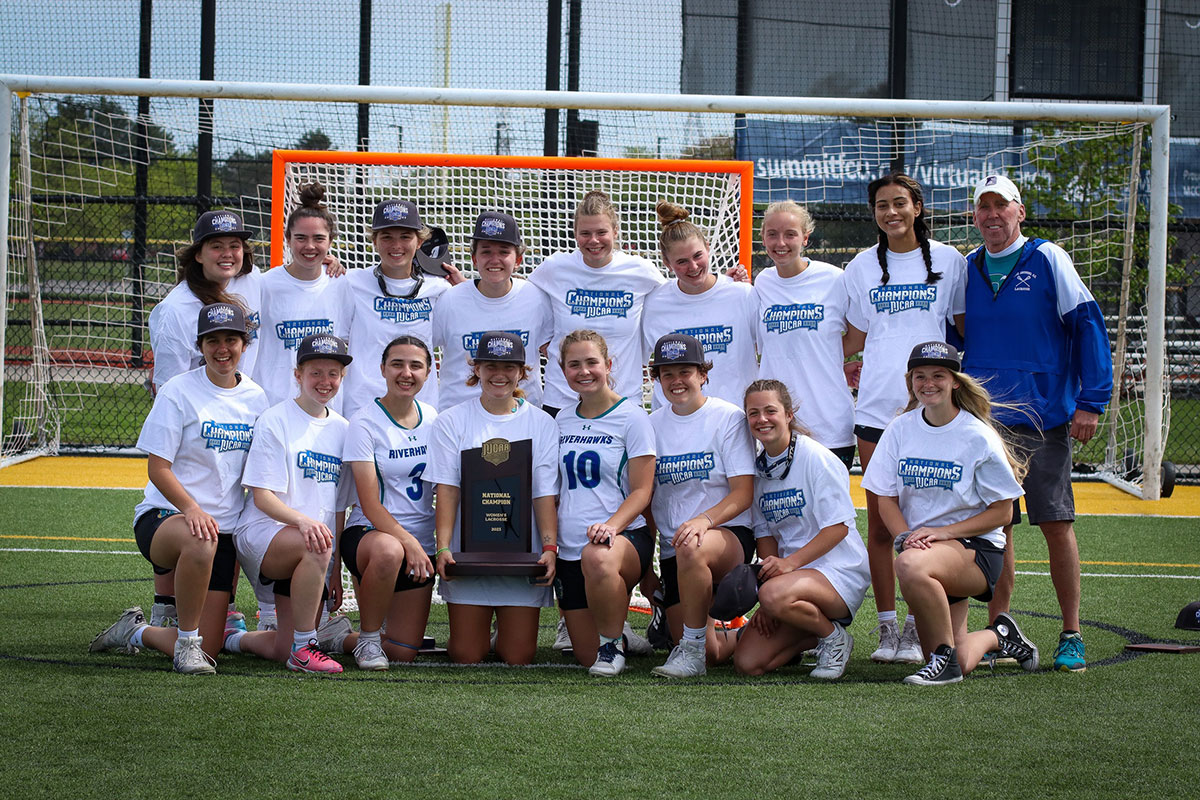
910, 622
266, 610
233, 642
136, 639
369, 636
886, 616
832, 635
302, 638
694, 636
188, 634
617, 640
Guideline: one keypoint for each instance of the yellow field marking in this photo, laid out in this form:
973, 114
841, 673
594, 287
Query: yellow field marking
1120, 564
62, 538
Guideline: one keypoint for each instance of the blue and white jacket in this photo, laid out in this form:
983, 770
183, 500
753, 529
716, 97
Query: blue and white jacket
1039, 343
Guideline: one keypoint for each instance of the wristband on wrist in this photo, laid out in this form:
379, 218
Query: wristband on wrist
441, 550
711, 524
550, 548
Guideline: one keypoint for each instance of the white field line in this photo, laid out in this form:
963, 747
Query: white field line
1116, 575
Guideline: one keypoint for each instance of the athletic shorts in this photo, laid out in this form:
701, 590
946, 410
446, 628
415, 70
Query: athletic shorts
1047, 485
351, 537
844, 455
990, 560
868, 434
224, 566
252, 545
569, 589
668, 569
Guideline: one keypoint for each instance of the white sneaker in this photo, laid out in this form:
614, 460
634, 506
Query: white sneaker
889, 641
609, 661
908, 651
190, 659
833, 653
636, 645
368, 654
562, 639
333, 633
267, 622
685, 661
117, 636
164, 615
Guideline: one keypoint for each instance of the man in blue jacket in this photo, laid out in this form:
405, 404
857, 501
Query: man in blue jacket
1036, 338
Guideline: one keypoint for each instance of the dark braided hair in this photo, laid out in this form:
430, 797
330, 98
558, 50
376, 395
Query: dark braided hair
920, 226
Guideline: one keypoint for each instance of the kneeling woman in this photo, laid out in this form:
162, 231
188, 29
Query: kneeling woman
606, 455
817, 576
500, 412
389, 539
287, 533
197, 435
704, 479
946, 482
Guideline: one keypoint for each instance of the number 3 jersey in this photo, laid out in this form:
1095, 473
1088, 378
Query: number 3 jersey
593, 462
398, 455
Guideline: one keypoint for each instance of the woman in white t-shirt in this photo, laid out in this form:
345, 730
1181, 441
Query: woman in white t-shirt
815, 573
905, 290
946, 484
394, 298
196, 435
493, 301
800, 319
499, 413
298, 299
704, 484
299, 493
606, 471
388, 540
599, 286
714, 309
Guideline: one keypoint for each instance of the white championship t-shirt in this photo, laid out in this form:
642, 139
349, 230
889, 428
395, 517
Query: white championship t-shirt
593, 457
299, 458
941, 475
373, 319
722, 318
813, 495
464, 314
897, 317
290, 310
607, 300
173, 323
205, 432
697, 454
801, 321
400, 456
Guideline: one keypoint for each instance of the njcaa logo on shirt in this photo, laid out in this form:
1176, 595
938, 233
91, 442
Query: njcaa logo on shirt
470, 341
292, 332
252, 325
778, 506
685, 467
320, 467
226, 436
926, 473
399, 309
903, 297
799, 316
589, 303
715, 338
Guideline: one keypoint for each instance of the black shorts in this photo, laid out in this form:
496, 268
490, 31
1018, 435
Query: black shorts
1048, 493
668, 570
551, 410
844, 455
642, 540
224, 565
352, 537
569, 589
868, 434
989, 559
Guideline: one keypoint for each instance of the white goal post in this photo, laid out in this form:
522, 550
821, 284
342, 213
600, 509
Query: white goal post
1151, 375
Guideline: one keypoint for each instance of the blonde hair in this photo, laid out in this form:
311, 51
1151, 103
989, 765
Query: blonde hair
785, 398
597, 203
807, 225
970, 396
585, 335
675, 226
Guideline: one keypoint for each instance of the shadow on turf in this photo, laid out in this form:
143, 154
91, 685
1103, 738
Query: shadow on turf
393, 676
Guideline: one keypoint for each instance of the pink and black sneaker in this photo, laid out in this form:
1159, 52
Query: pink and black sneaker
310, 659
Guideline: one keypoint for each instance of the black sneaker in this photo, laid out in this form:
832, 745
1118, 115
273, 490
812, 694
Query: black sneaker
658, 633
942, 669
1013, 643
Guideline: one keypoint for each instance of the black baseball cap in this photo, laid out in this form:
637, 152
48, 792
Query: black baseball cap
500, 346
677, 348
323, 345
496, 226
221, 317
736, 594
935, 354
434, 252
396, 214
219, 223
1189, 617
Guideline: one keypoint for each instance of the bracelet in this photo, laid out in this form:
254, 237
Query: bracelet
441, 550
711, 524
550, 548
898, 543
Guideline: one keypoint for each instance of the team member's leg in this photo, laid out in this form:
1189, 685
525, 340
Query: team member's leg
406, 621
609, 574
805, 600
758, 654
470, 632
970, 646
173, 545
517, 634
928, 578
1002, 595
881, 560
